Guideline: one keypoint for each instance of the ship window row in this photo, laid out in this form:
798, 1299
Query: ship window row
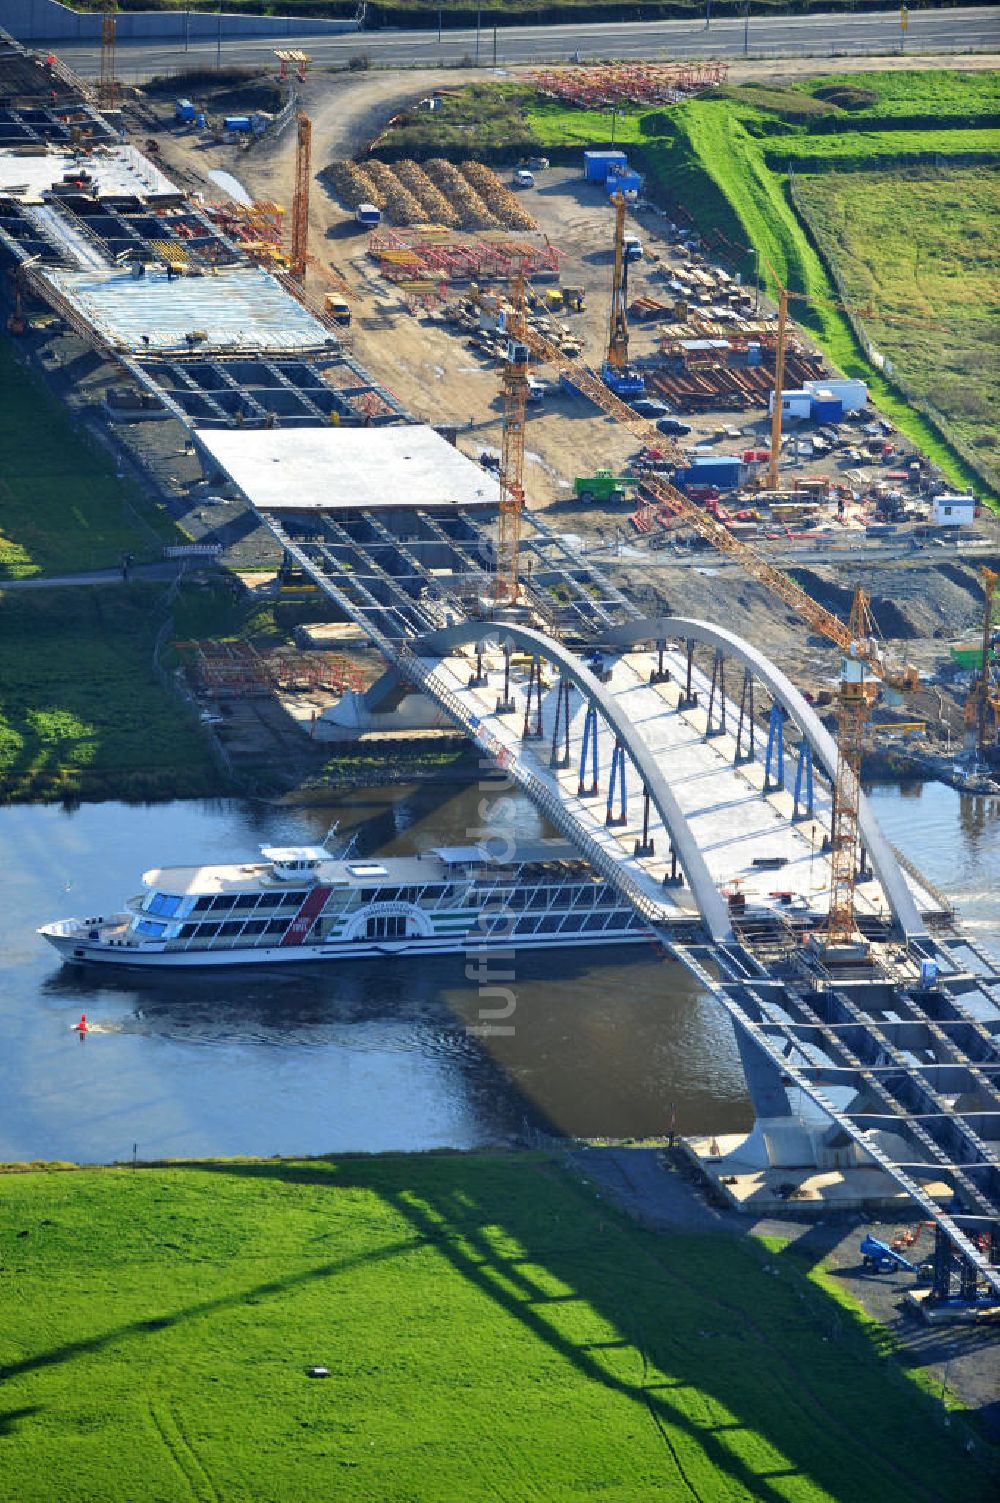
247, 901
564, 923
244, 901
586, 896
232, 927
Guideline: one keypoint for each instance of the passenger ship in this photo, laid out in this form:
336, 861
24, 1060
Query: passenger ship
302, 903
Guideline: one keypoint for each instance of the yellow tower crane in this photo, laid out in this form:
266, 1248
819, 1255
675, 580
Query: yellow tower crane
984, 695
507, 585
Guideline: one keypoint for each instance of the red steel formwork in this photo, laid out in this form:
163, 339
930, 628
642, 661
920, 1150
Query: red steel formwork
407, 256
633, 83
236, 670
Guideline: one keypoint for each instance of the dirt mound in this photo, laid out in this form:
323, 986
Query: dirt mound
891, 619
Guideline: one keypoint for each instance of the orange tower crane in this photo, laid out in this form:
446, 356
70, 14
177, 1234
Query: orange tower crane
984, 695
107, 86
618, 325
300, 199
515, 392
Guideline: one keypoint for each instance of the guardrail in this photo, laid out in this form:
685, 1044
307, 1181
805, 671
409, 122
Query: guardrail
192, 550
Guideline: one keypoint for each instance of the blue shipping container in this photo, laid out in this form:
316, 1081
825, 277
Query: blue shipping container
183, 110
236, 122
597, 164
622, 182
723, 471
826, 409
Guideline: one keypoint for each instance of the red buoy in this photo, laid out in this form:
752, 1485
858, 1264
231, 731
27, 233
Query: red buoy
81, 1027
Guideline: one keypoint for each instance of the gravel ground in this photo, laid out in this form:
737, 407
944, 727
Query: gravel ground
659, 1190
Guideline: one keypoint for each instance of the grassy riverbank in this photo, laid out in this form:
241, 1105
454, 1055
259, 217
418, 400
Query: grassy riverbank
491, 1330
63, 508
81, 712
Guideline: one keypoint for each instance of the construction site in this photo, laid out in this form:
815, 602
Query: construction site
647, 434
543, 475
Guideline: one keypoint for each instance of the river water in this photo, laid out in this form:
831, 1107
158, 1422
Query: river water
365, 1055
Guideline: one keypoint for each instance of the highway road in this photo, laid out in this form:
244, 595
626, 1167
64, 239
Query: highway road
874, 33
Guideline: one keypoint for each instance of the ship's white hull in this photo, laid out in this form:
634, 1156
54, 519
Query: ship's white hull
79, 951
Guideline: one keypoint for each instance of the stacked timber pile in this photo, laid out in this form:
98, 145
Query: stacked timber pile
353, 185
437, 209
500, 201
399, 205
473, 213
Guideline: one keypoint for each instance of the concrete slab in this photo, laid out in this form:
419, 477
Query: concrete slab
239, 309
757, 1191
338, 468
111, 170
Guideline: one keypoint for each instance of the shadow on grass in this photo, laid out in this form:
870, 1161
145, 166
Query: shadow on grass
749, 1375
707, 1325
99, 1343
11, 1418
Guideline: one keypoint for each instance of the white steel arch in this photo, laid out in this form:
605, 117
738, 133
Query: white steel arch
884, 863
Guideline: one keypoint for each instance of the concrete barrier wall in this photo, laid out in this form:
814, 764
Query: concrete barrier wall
48, 21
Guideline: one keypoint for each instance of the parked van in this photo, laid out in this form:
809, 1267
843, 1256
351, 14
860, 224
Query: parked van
632, 246
523, 178
337, 309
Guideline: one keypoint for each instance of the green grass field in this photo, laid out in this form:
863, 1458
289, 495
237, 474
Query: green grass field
945, 284
81, 714
492, 1331
723, 156
62, 509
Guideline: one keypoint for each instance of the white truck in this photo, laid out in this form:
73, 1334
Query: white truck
368, 216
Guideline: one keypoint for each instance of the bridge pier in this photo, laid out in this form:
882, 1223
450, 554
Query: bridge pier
718, 689
616, 779
534, 733
747, 719
689, 698
589, 744
560, 759
659, 674
505, 702
776, 749
645, 846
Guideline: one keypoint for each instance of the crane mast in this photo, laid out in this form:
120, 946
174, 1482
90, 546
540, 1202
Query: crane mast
984, 695
300, 199
857, 695
773, 468
618, 326
107, 85
515, 393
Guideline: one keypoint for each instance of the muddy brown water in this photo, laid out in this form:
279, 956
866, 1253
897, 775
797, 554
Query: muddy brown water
364, 1055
